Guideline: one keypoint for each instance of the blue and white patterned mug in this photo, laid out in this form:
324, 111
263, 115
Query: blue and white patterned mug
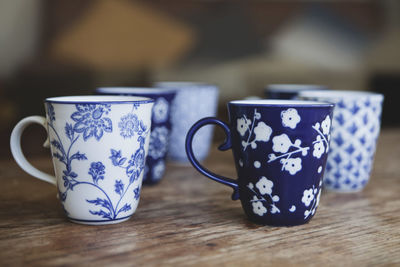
160, 126
280, 149
98, 145
355, 130
192, 102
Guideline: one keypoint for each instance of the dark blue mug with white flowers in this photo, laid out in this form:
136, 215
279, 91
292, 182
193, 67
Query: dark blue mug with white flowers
280, 149
160, 126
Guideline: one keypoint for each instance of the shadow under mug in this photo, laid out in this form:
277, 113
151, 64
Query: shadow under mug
98, 156
280, 150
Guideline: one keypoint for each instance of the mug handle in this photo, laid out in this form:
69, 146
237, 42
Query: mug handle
16, 150
225, 146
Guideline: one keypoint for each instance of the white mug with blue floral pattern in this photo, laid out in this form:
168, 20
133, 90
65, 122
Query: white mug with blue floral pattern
98, 145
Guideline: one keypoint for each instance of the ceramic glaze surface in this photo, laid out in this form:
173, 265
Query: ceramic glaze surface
98, 150
160, 127
280, 153
193, 101
99, 154
355, 130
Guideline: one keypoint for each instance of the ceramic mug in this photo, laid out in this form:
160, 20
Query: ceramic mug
98, 146
355, 130
289, 91
280, 151
160, 126
192, 102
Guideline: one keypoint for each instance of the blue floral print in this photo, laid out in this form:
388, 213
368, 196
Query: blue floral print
130, 124
116, 158
136, 164
137, 192
97, 171
90, 120
119, 187
50, 112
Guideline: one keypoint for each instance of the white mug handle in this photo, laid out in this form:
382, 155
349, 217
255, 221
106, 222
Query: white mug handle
16, 150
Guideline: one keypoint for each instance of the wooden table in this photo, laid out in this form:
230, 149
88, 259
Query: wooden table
190, 220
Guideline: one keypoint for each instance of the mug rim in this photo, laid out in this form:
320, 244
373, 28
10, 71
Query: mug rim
280, 103
99, 99
293, 87
112, 90
339, 94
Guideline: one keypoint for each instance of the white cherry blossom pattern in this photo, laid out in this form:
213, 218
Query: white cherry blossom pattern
264, 186
243, 125
292, 165
311, 199
319, 169
326, 125
260, 133
259, 202
290, 118
321, 143
283, 144
274, 209
319, 147
258, 207
308, 196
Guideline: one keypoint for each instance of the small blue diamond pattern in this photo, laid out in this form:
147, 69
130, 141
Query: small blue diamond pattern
355, 129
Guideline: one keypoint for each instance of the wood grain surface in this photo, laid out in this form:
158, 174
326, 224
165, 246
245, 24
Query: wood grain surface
190, 220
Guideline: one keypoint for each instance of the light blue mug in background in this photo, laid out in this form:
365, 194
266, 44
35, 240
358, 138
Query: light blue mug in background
193, 101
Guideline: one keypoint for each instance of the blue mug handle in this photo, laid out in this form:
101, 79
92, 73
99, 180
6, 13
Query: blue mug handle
225, 146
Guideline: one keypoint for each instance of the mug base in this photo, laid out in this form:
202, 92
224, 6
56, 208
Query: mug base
279, 224
288, 221
99, 222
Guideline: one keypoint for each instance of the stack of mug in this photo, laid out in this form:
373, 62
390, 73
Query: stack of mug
286, 148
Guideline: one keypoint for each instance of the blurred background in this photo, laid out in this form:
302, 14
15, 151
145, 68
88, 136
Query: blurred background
70, 47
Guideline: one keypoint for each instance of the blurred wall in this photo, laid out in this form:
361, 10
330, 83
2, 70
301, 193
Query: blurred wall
69, 47
20, 22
